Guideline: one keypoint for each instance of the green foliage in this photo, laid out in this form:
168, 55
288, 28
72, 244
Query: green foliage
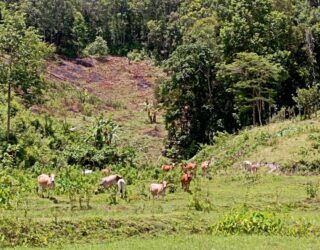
252, 79
250, 222
308, 100
199, 202
97, 48
15, 187
72, 182
312, 189
190, 102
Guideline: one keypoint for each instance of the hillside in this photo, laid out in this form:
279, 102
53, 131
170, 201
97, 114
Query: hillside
293, 144
83, 88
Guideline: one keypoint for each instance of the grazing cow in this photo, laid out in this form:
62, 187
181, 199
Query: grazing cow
158, 189
45, 182
272, 167
191, 167
107, 182
166, 168
185, 181
121, 187
250, 167
204, 167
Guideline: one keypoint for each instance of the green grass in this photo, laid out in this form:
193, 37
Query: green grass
199, 242
292, 144
142, 217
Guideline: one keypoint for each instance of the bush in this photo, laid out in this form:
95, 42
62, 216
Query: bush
72, 182
250, 222
312, 189
98, 48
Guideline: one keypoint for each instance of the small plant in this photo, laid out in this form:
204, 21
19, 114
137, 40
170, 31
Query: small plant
112, 198
152, 109
312, 189
200, 203
250, 222
98, 48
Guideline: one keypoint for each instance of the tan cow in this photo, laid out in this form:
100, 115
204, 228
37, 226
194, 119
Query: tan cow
107, 182
204, 167
250, 167
45, 182
158, 189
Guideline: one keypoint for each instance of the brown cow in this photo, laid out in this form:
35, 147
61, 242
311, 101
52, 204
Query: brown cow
166, 168
191, 167
185, 181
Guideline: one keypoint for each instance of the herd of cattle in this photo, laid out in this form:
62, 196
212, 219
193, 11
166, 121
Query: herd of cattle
189, 171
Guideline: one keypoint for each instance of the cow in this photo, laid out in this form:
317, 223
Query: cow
204, 167
158, 189
166, 168
107, 182
121, 187
45, 182
190, 167
185, 181
250, 167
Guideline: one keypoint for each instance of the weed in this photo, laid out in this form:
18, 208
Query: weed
312, 189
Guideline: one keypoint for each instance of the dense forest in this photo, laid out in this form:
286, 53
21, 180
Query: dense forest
230, 63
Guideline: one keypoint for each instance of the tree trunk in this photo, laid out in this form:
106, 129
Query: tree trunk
254, 114
259, 112
9, 111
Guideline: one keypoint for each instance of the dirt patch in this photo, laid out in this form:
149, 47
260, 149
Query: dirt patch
155, 132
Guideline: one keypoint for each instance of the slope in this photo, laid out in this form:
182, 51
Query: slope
293, 144
81, 89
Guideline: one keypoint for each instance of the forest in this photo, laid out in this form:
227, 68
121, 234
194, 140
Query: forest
134, 84
231, 63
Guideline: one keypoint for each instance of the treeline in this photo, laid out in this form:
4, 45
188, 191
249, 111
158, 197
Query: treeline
232, 63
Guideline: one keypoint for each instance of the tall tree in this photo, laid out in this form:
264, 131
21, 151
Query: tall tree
253, 80
195, 105
21, 54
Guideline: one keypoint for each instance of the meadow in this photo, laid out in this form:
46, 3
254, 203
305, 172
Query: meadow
229, 206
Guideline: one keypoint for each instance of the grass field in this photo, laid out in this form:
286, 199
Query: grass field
140, 222
200, 242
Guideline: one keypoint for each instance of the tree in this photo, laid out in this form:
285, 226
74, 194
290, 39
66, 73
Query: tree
195, 106
54, 21
22, 54
308, 100
252, 79
98, 48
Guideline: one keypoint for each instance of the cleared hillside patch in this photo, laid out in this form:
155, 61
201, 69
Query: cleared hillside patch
294, 145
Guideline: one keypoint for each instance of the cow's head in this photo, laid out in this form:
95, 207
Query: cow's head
118, 177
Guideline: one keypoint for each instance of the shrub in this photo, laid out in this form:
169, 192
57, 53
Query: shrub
308, 100
249, 222
312, 189
98, 48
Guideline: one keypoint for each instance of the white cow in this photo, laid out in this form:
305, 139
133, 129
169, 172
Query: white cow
45, 182
158, 189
